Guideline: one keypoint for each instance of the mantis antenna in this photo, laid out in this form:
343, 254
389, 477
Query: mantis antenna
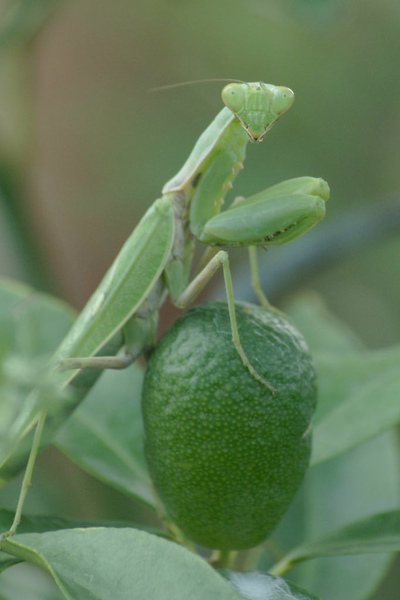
162, 88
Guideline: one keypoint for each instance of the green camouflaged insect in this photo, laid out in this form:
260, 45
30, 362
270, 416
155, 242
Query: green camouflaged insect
156, 259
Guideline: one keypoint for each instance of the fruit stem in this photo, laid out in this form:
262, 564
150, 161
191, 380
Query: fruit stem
281, 567
222, 558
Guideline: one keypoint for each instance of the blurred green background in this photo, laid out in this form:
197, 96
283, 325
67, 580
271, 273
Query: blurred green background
85, 148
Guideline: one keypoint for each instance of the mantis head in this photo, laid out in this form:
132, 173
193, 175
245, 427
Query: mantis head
257, 105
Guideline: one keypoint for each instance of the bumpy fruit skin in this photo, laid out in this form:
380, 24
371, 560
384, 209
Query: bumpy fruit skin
225, 454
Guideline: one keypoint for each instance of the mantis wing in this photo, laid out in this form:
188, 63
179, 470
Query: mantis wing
130, 279
127, 283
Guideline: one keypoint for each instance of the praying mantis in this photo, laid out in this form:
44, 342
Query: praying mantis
156, 260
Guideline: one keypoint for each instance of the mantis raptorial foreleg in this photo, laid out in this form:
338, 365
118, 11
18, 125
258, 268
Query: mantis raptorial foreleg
156, 259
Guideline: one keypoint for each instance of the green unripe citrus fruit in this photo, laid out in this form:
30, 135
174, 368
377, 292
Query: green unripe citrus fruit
227, 455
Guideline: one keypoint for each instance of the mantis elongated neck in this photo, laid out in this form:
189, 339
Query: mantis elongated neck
211, 168
215, 177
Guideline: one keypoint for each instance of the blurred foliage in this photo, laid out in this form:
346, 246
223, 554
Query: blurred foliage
85, 148
103, 146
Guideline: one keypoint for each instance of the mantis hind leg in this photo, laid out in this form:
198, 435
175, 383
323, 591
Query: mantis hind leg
139, 333
96, 362
27, 477
235, 331
195, 287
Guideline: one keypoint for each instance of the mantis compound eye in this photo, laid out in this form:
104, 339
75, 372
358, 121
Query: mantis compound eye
233, 96
282, 100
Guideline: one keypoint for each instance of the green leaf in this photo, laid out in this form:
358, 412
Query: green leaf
359, 390
31, 325
26, 582
254, 585
42, 524
104, 436
323, 331
7, 561
374, 534
335, 494
31, 322
360, 398
120, 564
349, 487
